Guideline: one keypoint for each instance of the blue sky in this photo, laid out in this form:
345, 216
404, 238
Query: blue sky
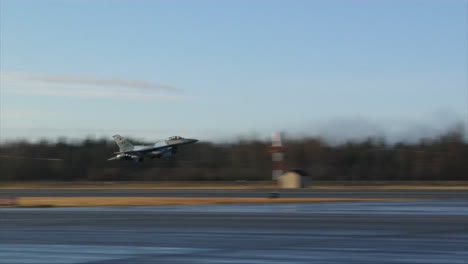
217, 70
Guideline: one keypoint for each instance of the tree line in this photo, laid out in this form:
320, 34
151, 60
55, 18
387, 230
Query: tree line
442, 158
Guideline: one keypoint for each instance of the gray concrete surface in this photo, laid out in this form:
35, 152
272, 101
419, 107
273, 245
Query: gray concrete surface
377, 232
418, 194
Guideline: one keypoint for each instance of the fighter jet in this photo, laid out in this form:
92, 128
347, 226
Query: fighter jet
160, 149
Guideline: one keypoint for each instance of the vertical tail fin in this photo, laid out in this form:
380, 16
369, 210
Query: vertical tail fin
123, 143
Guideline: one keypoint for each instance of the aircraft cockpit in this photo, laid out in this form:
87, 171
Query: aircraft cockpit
175, 138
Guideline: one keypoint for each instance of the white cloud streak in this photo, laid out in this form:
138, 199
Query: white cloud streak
86, 80
96, 93
87, 87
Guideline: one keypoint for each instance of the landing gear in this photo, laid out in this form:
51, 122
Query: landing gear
138, 160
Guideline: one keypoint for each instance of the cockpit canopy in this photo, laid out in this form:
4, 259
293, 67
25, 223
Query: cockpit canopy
175, 138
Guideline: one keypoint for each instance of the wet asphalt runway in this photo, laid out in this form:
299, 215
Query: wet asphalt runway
301, 193
372, 232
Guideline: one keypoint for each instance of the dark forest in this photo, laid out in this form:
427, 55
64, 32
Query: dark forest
442, 158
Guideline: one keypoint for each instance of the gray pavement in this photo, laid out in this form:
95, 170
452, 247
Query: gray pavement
338, 193
373, 232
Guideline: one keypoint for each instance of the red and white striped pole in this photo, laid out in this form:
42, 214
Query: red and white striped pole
277, 154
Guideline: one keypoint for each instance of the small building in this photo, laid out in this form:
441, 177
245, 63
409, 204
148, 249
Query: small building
294, 179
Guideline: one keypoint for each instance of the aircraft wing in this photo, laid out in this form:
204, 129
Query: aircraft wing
145, 150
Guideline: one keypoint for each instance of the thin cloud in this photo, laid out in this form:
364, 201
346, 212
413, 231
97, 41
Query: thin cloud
106, 94
87, 87
15, 114
86, 80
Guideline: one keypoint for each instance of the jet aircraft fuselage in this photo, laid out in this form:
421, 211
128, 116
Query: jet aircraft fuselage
160, 149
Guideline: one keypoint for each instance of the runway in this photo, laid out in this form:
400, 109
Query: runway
300, 193
372, 232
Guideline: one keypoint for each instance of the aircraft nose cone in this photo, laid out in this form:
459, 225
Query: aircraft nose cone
192, 140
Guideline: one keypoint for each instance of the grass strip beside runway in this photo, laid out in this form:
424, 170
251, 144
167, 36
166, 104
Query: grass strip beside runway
155, 201
236, 185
